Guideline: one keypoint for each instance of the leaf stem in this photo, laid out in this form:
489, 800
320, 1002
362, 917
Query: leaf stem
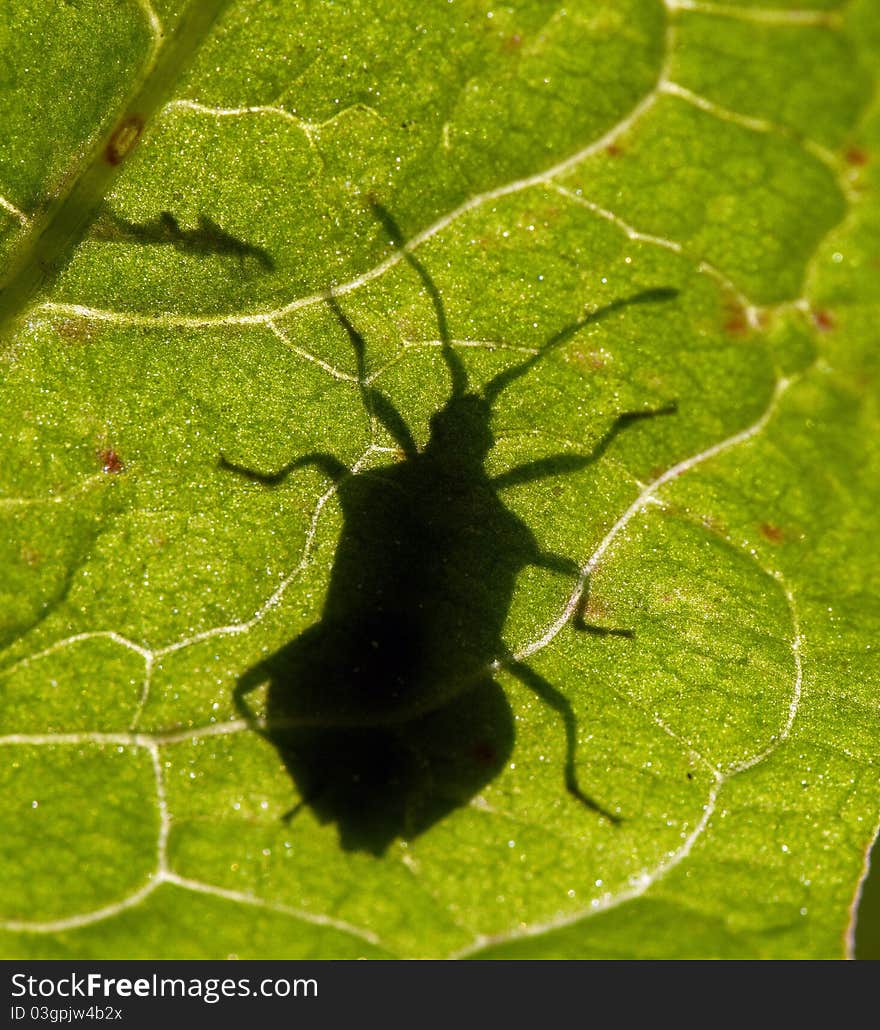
56, 230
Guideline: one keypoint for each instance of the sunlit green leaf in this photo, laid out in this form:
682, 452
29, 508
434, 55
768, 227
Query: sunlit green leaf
629, 207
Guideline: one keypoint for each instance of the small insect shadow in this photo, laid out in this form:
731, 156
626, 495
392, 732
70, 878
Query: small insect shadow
387, 712
207, 238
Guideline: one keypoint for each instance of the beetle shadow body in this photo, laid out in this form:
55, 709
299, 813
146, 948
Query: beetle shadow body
386, 712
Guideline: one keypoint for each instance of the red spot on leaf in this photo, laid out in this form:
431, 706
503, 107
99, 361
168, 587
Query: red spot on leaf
110, 461
824, 320
857, 156
736, 323
772, 533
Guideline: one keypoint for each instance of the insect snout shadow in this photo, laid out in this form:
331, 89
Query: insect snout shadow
205, 239
386, 712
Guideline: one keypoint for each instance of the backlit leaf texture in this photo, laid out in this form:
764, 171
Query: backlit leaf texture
535, 164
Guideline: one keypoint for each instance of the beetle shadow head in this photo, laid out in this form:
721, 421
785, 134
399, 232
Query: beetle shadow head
461, 431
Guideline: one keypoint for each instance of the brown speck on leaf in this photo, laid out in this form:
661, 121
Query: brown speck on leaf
736, 321
547, 215
857, 156
714, 525
824, 320
595, 610
124, 137
614, 150
30, 555
512, 43
592, 359
111, 463
772, 533
75, 330
484, 753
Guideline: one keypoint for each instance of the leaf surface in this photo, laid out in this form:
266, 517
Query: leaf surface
624, 205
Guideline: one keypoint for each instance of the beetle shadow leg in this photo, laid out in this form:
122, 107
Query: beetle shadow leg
560, 704
303, 802
292, 813
329, 464
252, 679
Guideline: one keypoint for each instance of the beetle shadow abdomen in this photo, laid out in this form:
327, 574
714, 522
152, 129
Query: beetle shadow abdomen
381, 783
385, 712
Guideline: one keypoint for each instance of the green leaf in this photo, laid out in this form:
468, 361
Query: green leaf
666, 212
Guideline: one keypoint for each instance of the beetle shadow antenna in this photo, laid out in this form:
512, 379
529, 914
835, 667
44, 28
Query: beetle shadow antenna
457, 372
377, 406
496, 385
509, 376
